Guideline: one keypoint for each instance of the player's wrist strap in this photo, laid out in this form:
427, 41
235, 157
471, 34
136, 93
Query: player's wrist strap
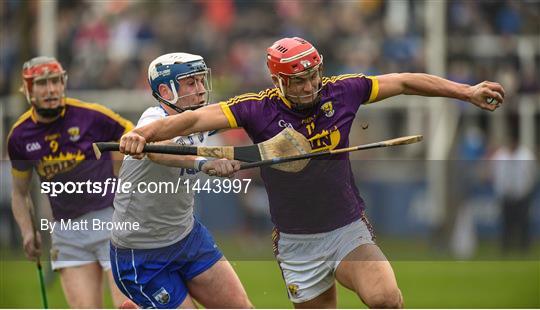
199, 162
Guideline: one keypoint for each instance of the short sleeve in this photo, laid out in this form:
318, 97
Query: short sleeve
151, 115
233, 123
112, 124
359, 88
243, 109
20, 166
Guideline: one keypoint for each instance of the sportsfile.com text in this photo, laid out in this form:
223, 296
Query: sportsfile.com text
110, 185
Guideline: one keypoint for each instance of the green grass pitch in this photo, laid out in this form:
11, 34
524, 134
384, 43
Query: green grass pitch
425, 284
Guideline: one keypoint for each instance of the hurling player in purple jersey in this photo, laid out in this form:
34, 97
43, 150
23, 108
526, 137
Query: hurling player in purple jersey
54, 138
321, 233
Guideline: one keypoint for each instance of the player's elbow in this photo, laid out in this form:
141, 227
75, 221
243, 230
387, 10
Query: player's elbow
405, 83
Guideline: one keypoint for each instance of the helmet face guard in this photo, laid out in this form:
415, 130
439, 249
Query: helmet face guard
41, 69
284, 81
38, 69
169, 69
293, 57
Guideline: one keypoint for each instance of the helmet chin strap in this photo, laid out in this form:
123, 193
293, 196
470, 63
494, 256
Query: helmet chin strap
304, 107
49, 113
170, 103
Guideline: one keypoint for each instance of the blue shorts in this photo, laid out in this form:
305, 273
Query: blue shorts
156, 278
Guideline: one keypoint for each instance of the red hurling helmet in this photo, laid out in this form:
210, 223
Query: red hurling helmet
38, 68
291, 57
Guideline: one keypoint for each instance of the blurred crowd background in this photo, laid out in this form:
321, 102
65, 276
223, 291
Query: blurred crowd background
106, 46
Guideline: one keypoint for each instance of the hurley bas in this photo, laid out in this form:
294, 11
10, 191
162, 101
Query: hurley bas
94, 224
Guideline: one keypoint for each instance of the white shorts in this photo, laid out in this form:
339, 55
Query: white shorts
308, 261
81, 245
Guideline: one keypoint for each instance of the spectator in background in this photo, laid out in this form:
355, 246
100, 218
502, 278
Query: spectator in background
514, 168
89, 32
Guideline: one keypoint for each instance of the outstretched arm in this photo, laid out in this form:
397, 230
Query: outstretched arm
204, 119
433, 86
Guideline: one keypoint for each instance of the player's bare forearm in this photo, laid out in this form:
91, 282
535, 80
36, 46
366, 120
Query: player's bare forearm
21, 204
168, 128
204, 119
20, 197
420, 84
433, 86
208, 118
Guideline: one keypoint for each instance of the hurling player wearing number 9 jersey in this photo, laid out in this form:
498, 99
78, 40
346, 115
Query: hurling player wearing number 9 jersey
321, 233
54, 138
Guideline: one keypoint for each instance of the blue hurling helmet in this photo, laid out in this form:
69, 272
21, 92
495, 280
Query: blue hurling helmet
168, 69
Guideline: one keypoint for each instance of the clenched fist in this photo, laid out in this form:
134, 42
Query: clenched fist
221, 167
32, 245
132, 143
487, 95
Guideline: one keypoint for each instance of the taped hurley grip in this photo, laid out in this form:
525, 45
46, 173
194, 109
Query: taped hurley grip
217, 152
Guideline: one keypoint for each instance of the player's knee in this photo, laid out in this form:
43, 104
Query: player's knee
390, 298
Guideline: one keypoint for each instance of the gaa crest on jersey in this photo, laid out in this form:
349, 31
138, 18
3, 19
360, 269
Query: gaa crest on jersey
74, 133
293, 289
162, 296
284, 124
328, 109
33, 146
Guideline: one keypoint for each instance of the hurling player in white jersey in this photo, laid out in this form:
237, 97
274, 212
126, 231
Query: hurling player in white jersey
172, 259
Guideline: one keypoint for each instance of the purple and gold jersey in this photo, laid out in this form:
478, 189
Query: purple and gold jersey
61, 151
323, 196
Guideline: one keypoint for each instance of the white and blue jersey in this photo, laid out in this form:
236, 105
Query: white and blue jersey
165, 216
151, 264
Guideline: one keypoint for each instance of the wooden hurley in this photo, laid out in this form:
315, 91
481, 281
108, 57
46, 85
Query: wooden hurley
287, 143
283, 161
